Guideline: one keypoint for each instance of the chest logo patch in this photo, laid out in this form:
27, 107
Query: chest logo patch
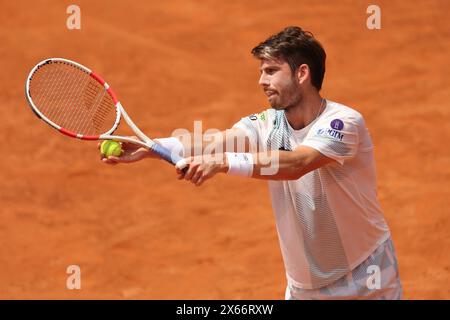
337, 124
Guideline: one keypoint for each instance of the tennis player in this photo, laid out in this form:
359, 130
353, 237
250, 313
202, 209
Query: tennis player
317, 155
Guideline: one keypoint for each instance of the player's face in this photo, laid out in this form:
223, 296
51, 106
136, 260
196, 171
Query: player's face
279, 84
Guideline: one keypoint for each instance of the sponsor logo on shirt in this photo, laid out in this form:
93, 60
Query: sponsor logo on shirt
255, 116
262, 116
337, 124
330, 133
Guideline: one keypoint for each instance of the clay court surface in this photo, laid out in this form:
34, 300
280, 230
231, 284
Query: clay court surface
138, 233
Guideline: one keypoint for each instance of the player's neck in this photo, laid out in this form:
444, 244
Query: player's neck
306, 111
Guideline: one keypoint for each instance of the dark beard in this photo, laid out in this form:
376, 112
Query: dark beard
294, 99
293, 92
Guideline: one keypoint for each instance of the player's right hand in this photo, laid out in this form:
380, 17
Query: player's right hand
130, 153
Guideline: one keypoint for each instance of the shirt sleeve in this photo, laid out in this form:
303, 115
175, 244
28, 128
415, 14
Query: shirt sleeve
336, 138
254, 126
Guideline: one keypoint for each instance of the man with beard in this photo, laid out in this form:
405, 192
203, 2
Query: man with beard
318, 157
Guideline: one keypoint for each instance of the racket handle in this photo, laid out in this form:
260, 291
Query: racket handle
167, 155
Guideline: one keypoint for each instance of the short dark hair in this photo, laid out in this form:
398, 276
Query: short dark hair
296, 47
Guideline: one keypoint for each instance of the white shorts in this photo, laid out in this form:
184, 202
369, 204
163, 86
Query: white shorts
376, 278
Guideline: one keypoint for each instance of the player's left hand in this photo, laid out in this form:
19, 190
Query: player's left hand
201, 168
130, 153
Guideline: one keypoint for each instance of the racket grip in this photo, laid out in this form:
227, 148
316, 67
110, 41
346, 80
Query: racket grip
167, 155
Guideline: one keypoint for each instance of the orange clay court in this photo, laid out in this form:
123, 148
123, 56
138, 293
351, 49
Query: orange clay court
138, 233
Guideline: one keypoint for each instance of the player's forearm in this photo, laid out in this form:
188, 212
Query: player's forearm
272, 165
200, 144
209, 144
276, 165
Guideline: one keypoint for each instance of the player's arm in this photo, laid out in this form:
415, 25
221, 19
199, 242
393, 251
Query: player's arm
277, 165
287, 165
230, 140
323, 147
186, 145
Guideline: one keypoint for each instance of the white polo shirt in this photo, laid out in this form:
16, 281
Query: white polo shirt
328, 221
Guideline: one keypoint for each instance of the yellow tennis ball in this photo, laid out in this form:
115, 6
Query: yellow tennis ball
111, 148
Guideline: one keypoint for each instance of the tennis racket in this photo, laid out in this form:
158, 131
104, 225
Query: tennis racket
80, 104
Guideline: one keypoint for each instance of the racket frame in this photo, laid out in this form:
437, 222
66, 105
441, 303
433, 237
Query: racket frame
145, 141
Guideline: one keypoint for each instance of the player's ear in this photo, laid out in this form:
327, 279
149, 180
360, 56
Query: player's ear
303, 73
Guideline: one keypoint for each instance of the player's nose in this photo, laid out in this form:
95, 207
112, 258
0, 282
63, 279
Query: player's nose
263, 80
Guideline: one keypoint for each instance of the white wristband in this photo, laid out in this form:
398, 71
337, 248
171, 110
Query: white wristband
173, 144
240, 164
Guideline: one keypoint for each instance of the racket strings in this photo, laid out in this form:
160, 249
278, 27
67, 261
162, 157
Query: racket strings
102, 112
72, 99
